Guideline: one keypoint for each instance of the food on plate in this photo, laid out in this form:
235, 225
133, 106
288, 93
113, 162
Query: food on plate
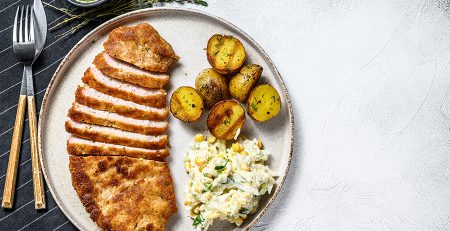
115, 136
118, 125
225, 53
126, 72
81, 147
92, 98
142, 46
83, 114
225, 119
122, 193
263, 103
186, 104
126, 91
244, 81
226, 182
212, 86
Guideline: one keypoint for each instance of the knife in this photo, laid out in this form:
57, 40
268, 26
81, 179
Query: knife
40, 30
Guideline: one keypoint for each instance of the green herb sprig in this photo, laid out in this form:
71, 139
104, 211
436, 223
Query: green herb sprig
198, 220
222, 167
107, 10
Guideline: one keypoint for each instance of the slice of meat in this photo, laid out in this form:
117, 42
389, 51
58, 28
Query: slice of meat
81, 147
142, 46
90, 97
126, 72
122, 193
115, 136
126, 91
84, 114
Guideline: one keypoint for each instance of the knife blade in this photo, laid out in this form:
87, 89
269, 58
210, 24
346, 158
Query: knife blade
40, 30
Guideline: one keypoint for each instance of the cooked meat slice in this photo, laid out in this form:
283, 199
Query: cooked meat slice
79, 147
90, 97
115, 136
102, 83
83, 114
142, 46
126, 72
122, 193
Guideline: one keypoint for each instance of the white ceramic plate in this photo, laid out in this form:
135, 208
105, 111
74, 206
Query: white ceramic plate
188, 32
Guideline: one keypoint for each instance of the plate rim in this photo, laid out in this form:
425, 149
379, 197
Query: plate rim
170, 10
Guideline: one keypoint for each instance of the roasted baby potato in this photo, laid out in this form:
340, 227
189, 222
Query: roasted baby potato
263, 103
225, 118
244, 81
225, 53
212, 86
186, 104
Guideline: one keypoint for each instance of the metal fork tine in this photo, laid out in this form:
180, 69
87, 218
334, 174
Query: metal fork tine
26, 36
20, 25
15, 40
32, 25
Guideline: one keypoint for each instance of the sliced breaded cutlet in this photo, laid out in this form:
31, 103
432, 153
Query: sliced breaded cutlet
82, 147
118, 69
122, 193
142, 46
115, 136
126, 91
83, 114
90, 97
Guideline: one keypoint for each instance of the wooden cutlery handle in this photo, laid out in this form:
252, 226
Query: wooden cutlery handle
10, 181
38, 184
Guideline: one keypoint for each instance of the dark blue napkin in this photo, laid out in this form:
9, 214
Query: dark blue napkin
23, 216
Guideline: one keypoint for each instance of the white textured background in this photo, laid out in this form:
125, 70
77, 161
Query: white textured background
370, 85
369, 81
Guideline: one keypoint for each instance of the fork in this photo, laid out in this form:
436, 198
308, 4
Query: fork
24, 45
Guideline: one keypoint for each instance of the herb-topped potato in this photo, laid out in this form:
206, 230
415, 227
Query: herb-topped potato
212, 86
263, 103
186, 104
225, 118
225, 53
244, 81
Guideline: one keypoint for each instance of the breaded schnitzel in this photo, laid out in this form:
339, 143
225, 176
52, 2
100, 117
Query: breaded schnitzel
142, 46
122, 193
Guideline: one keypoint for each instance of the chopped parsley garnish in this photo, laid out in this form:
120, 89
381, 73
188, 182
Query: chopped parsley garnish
227, 121
208, 187
198, 220
222, 167
253, 106
243, 211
